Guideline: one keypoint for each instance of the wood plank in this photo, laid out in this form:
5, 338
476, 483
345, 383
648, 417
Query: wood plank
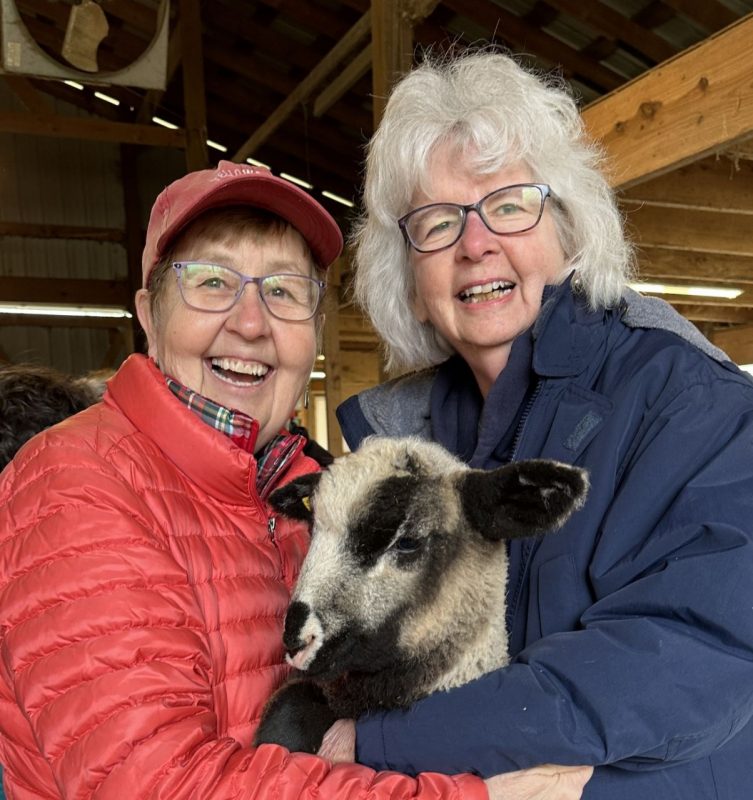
37, 230
335, 56
65, 291
698, 102
715, 183
684, 229
744, 301
656, 263
698, 312
90, 129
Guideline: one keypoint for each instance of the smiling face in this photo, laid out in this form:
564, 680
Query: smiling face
486, 289
244, 358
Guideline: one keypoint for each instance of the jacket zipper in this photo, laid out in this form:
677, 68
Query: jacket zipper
271, 529
527, 549
523, 419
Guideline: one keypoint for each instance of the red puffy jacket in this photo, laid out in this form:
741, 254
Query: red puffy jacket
142, 593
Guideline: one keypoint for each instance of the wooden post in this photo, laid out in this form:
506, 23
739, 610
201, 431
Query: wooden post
391, 49
333, 364
134, 239
194, 98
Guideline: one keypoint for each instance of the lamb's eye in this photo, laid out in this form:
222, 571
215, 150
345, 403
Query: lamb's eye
407, 544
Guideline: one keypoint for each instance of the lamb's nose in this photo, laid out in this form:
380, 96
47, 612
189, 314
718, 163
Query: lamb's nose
297, 615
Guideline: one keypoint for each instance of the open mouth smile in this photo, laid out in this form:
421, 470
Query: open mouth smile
484, 292
237, 372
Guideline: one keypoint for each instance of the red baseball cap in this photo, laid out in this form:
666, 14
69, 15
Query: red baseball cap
232, 184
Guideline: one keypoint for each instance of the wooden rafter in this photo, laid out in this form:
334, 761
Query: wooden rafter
90, 129
301, 93
78, 291
46, 231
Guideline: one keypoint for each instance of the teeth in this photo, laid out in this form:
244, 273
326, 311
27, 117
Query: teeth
242, 367
472, 293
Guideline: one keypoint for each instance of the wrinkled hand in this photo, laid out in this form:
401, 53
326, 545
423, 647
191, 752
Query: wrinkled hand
339, 743
545, 782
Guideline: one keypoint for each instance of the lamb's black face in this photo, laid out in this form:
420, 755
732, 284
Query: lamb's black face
397, 550
388, 564
385, 529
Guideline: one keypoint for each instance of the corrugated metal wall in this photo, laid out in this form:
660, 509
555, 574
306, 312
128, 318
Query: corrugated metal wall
52, 181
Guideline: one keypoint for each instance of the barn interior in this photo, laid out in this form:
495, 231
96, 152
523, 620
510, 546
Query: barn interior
104, 103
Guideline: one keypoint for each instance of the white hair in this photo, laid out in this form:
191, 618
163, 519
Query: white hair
497, 113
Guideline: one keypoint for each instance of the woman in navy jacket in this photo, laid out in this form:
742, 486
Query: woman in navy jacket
492, 260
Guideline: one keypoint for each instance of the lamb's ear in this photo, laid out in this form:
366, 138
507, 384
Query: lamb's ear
292, 500
523, 498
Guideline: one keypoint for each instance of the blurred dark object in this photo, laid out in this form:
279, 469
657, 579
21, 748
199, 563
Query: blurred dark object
34, 397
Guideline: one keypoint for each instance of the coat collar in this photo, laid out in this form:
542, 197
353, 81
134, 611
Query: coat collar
207, 457
579, 332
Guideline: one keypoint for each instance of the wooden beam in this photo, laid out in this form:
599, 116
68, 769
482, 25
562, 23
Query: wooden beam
744, 301
301, 93
697, 103
667, 264
36, 230
357, 68
392, 51
64, 291
684, 229
90, 129
194, 95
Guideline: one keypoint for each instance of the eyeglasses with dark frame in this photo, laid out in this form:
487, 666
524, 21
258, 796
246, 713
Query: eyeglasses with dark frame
215, 288
510, 209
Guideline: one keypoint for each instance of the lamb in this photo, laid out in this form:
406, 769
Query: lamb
402, 592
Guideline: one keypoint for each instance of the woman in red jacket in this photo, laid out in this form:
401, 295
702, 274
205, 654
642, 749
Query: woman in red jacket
143, 579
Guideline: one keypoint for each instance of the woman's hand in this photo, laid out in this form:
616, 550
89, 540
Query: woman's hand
339, 743
545, 782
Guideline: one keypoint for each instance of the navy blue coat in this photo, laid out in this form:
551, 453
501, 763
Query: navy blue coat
631, 629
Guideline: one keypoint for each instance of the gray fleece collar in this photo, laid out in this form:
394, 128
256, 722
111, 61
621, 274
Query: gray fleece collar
652, 312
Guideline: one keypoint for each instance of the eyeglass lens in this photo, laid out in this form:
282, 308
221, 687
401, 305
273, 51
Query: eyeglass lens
211, 287
512, 209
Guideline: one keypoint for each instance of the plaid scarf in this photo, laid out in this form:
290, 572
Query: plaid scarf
271, 462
